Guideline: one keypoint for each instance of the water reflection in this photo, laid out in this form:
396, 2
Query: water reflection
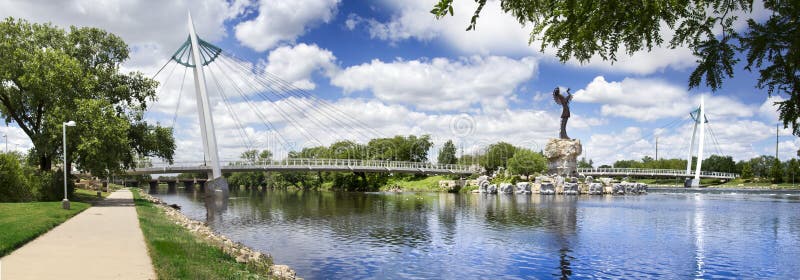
448, 236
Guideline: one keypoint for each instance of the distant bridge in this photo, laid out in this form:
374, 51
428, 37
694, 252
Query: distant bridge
301, 164
641, 172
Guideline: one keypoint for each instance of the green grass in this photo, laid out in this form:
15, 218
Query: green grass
22, 222
179, 254
416, 184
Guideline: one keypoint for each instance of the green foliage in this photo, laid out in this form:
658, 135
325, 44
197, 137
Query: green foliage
747, 171
719, 164
13, 182
776, 172
49, 75
585, 164
526, 162
497, 156
399, 148
448, 153
792, 170
585, 29
23, 222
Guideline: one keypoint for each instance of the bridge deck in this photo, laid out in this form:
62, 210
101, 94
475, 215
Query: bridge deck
343, 165
671, 173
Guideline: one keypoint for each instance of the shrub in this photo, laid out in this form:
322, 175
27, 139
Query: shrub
13, 187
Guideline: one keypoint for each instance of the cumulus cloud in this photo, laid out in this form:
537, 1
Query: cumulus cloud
283, 21
440, 84
153, 29
296, 64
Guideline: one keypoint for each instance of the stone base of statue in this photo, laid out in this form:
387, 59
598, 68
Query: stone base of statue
562, 156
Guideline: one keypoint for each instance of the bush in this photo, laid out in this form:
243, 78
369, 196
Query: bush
50, 185
13, 187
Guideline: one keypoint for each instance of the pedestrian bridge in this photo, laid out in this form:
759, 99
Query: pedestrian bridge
642, 172
300, 164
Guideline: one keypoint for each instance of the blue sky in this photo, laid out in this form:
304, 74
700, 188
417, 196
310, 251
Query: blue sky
399, 71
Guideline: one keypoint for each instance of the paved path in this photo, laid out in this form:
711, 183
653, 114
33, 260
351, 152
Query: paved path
103, 242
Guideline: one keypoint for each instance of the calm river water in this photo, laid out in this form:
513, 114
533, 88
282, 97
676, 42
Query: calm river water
326, 235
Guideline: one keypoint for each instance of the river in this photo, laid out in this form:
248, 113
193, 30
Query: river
327, 235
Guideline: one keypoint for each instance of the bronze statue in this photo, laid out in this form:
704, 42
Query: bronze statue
564, 102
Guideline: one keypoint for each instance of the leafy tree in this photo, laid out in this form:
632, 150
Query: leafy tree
585, 164
526, 162
792, 170
747, 171
719, 164
605, 166
49, 75
497, 156
585, 29
448, 153
776, 172
265, 155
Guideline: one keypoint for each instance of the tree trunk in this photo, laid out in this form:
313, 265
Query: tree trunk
45, 163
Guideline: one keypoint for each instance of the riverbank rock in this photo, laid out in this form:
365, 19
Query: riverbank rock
619, 189
451, 185
506, 188
523, 188
595, 188
571, 188
547, 188
491, 189
238, 251
483, 184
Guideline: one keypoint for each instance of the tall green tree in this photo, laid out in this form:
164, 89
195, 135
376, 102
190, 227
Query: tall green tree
497, 156
719, 164
49, 76
447, 155
747, 171
776, 172
584, 29
526, 162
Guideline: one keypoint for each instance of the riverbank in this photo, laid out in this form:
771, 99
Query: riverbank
24, 221
182, 248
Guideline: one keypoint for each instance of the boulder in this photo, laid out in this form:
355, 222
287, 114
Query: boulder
588, 180
492, 189
523, 188
483, 184
506, 188
595, 188
562, 156
618, 189
571, 188
547, 188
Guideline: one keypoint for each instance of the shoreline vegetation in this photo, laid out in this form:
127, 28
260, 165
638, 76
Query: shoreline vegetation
181, 248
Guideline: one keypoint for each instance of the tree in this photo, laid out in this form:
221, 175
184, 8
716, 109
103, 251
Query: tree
13, 187
526, 162
585, 29
585, 164
719, 164
448, 153
48, 76
497, 156
792, 170
776, 172
747, 171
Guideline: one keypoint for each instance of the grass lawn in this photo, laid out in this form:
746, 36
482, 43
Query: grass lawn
22, 222
179, 254
415, 184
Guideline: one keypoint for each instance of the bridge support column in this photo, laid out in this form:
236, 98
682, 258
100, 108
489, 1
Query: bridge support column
202, 185
188, 186
171, 187
153, 187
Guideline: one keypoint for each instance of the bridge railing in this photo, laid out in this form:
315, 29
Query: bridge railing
354, 163
652, 172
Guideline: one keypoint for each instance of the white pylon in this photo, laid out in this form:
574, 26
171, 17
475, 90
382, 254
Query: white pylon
204, 111
700, 120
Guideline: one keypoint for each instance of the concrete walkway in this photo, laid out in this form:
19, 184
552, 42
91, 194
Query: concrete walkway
103, 242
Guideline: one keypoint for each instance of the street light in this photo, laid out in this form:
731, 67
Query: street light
65, 202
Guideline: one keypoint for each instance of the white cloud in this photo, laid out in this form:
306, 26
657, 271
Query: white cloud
14, 139
283, 21
768, 110
153, 29
440, 84
296, 64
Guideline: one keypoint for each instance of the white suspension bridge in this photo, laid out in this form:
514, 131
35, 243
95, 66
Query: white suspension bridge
265, 94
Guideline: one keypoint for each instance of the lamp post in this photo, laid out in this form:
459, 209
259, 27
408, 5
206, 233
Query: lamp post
65, 202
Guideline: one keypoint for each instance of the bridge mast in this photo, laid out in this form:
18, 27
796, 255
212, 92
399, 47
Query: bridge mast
204, 106
702, 119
